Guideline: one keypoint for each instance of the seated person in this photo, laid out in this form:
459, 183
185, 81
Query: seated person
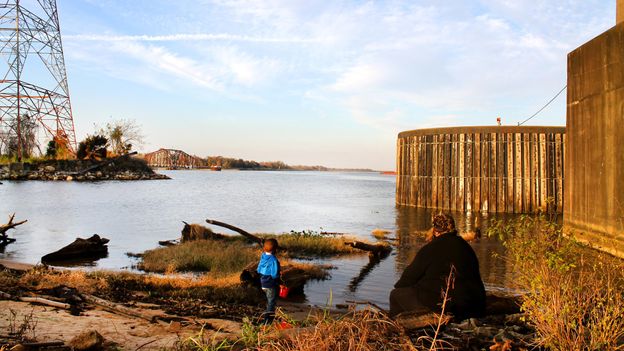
422, 284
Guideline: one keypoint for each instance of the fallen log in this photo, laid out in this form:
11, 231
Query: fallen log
92, 248
4, 239
43, 344
120, 309
10, 225
377, 250
242, 232
292, 277
36, 300
42, 301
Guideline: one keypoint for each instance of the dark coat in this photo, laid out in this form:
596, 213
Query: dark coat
430, 269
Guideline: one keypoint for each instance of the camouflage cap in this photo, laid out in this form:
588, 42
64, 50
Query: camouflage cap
443, 223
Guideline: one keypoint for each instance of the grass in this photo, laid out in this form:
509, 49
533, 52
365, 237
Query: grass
312, 244
231, 255
364, 330
575, 297
222, 257
380, 234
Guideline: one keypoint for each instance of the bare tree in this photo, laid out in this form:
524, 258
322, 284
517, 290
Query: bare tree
123, 135
24, 143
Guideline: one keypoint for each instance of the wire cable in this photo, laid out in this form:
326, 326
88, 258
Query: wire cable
542, 109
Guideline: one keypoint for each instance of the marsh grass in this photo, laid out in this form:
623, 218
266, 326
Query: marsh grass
221, 257
380, 234
575, 296
312, 244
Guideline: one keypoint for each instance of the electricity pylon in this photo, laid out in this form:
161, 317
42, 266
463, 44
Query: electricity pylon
34, 95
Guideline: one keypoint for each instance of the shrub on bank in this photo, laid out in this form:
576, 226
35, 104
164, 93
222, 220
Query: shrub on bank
575, 296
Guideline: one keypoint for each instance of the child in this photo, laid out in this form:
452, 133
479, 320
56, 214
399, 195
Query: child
269, 270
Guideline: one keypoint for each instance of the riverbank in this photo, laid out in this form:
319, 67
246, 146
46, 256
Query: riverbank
217, 305
185, 312
121, 168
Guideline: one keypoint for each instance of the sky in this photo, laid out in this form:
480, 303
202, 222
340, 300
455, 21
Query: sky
318, 82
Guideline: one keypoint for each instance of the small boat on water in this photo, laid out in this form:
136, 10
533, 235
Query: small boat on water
388, 172
215, 168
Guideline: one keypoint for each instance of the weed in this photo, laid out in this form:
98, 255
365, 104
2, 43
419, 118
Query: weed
575, 296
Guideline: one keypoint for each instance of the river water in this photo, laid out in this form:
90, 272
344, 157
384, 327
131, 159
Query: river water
135, 215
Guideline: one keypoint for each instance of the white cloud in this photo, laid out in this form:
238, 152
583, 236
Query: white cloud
189, 37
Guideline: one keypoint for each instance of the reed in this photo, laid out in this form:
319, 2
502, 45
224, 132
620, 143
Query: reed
575, 296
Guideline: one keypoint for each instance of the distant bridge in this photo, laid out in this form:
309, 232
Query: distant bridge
174, 159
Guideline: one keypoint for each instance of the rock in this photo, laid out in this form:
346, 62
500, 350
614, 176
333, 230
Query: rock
224, 325
92, 248
49, 169
19, 347
417, 320
89, 340
174, 326
69, 178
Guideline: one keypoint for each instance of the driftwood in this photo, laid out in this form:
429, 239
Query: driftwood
172, 242
4, 239
292, 277
192, 232
36, 345
120, 309
36, 300
42, 301
92, 248
376, 250
244, 233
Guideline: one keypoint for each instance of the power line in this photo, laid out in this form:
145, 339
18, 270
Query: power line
542, 109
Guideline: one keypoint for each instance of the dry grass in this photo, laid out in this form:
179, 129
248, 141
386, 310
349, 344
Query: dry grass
232, 254
221, 257
312, 244
364, 330
575, 296
380, 234
43, 278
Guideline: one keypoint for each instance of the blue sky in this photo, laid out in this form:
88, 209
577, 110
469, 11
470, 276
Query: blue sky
318, 82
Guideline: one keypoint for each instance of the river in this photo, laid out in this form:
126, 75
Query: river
135, 215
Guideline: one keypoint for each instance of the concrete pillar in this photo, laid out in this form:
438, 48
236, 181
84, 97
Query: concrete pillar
619, 12
594, 161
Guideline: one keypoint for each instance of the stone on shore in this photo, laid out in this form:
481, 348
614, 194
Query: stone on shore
89, 340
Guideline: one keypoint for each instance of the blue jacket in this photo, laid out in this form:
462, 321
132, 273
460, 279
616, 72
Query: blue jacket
269, 270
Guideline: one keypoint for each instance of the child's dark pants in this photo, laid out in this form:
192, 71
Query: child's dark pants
269, 314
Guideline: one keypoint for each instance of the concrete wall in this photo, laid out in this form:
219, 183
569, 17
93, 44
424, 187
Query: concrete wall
594, 168
488, 169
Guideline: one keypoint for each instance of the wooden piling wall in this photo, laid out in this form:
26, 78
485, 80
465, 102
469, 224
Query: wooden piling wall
489, 169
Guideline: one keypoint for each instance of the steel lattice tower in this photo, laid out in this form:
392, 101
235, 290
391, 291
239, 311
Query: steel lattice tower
34, 95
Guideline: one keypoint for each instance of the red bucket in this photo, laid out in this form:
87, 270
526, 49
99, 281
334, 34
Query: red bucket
284, 290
